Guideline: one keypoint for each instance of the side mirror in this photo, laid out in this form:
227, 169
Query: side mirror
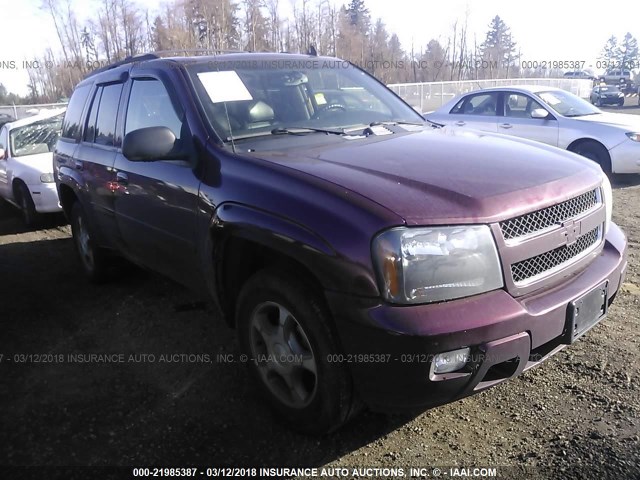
539, 113
2, 152
151, 144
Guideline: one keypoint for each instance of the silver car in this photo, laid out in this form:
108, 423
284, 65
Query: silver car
552, 116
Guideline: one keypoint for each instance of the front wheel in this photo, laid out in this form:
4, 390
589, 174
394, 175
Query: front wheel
92, 257
28, 208
284, 330
596, 152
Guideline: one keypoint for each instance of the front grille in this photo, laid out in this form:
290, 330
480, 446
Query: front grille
540, 219
544, 262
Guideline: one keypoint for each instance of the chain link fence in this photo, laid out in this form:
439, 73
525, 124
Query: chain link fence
422, 96
21, 111
426, 97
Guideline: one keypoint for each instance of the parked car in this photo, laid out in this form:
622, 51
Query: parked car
364, 257
579, 74
4, 118
616, 77
552, 116
26, 168
606, 95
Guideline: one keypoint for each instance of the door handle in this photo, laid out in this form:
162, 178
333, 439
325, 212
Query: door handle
506, 125
122, 178
461, 123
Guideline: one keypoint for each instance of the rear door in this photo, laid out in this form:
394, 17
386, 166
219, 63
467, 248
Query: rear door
95, 156
156, 201
517, 120
477, 111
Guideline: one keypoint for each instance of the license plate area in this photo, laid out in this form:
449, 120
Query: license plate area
586, 311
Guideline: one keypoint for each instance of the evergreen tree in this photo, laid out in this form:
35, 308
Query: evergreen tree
627, 53
498, 48
359, 15
609, 52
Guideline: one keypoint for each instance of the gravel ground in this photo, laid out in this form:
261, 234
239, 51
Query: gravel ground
576, 416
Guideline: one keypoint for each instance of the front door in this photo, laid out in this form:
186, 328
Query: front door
156, 201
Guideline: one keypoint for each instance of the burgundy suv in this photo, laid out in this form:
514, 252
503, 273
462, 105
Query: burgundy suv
365, 256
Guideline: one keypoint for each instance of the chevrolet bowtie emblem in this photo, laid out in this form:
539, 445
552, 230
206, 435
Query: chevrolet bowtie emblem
571, 231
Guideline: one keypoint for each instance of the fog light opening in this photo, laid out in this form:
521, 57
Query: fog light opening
452, 361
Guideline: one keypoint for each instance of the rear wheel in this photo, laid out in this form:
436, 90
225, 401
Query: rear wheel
596, 152
92, 257
284, 330
25, 202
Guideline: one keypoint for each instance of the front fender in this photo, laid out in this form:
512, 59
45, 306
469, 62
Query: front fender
332, 270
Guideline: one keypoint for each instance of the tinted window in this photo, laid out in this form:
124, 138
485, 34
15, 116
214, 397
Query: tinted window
107, 113
71, 126
90, 130
150, 106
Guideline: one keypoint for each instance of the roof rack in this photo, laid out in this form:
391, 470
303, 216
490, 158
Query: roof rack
196, 50
159, 54
130, 59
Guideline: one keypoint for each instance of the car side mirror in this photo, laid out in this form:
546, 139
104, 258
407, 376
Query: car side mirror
151, 144
3, 153
539, 113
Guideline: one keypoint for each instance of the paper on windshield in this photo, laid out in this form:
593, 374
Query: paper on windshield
224, 86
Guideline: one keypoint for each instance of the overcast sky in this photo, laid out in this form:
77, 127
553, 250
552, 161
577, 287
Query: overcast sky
544, 29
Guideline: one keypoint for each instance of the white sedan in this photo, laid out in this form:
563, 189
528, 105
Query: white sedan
552, 116
26, 163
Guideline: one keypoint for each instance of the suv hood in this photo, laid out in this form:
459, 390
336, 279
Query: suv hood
448, 176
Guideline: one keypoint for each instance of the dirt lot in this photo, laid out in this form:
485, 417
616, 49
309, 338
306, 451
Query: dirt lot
577, 416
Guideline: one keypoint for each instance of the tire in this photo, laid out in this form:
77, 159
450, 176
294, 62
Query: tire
598, 102
92, 258
277, 316
594, 151
25, 202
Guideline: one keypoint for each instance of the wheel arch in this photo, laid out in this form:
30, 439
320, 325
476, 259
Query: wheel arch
67, 198
573, 146
244, 240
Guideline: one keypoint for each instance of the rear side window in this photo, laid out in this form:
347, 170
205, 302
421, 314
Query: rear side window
107, 113
101, 123
72, 124
150, 106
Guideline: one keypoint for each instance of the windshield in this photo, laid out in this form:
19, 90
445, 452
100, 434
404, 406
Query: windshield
610, 89
275, 95
37, 137
567, 104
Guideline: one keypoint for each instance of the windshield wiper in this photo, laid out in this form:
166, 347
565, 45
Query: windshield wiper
396, 122
285, 131
303, 130
582, 114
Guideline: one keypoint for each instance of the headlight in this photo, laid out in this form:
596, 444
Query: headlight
421, 265
635, 136
47, 178
607, 197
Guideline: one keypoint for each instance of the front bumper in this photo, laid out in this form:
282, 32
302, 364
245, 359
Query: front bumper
45, 197
389, 348
611, 100
625, 157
